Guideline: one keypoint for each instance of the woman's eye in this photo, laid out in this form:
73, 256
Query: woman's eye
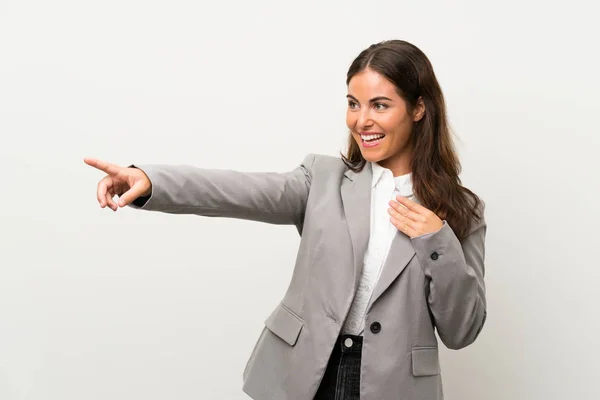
380, 106
351, 104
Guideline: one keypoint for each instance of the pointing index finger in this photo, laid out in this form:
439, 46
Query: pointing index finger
110, 169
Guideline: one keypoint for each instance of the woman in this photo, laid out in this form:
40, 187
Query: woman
392, 245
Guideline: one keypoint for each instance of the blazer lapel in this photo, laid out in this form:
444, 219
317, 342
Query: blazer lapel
356, 199
400, 254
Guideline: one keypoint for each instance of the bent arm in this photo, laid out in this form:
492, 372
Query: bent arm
456, 289
277, 198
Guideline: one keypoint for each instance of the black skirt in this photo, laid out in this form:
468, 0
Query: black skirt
342, 376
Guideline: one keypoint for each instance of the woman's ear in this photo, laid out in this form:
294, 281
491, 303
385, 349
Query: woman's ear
419, 111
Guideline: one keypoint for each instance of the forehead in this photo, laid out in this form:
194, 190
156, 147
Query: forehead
369, 83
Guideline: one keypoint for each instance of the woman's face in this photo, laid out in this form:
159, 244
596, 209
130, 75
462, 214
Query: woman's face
379, 121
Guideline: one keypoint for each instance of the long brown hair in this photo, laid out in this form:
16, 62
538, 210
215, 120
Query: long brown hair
435, 164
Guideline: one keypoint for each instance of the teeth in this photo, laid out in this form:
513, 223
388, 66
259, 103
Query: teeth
371, 137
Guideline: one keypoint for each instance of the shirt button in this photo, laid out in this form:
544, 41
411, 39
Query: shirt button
375, 327
434, 256
348, 342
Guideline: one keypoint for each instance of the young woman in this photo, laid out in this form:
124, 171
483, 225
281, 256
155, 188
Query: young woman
392, 245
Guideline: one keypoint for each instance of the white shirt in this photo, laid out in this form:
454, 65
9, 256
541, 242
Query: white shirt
383, 189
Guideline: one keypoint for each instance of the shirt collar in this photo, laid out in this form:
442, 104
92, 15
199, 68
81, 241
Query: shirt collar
377, 173
403, 183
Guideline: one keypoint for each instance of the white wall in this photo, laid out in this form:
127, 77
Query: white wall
136, 305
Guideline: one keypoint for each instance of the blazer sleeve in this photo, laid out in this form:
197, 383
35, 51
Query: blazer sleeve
277, 198
456, 282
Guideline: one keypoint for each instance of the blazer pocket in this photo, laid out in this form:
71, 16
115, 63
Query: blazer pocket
285, 324
425, 361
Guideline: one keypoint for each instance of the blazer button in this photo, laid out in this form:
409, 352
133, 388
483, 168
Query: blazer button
434, 256
375, 327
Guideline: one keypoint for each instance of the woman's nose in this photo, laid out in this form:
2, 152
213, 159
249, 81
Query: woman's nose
364, 119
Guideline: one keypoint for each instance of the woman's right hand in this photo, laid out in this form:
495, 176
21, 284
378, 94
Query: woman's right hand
127, 183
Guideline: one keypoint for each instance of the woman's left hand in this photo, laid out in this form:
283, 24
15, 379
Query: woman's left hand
413, 219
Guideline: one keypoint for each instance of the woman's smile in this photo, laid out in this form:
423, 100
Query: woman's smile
371, 139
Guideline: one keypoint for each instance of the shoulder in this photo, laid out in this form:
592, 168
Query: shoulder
318, 164
477, 207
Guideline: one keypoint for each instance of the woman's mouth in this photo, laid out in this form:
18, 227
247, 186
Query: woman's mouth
371, 139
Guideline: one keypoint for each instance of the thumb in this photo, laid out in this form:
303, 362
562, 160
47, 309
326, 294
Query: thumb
138, 188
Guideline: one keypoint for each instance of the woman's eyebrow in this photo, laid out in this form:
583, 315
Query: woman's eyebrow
374, 99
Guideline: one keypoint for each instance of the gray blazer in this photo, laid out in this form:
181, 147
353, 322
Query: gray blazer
429, 281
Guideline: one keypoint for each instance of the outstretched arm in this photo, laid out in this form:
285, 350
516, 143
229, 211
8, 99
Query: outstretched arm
278, 198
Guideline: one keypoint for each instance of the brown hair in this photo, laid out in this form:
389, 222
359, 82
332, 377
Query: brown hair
435, 164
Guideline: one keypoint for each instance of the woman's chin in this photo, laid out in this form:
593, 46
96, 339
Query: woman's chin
372, 156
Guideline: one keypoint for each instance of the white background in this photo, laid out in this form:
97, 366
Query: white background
138, 305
